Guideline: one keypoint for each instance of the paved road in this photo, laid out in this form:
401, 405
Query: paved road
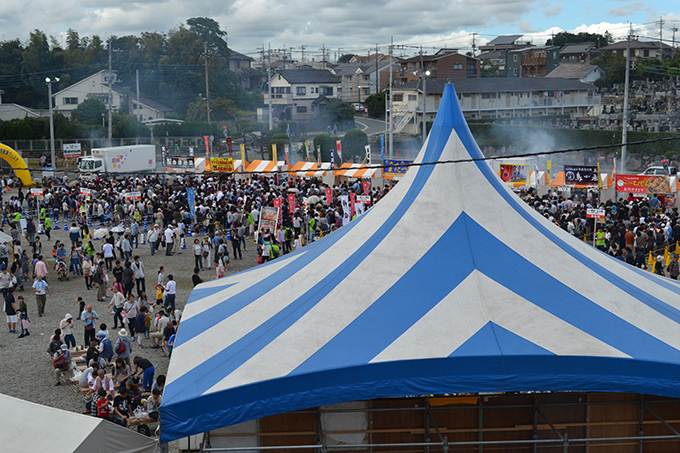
370, 126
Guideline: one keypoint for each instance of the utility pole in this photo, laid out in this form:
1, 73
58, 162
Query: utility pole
377, 72
674, 29
660, 37
139, 110
323, 50
303, 52
474, 44
391, 116
110, 91
269, 84
624, 133
207, 89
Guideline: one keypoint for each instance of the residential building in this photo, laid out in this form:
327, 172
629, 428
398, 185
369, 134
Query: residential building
489, 98
363, 78
640, 50
13, 111
507, 42
532, 61
581, 52
242, 66
445, 64
583, 72
301, 94
96, 86
493, 59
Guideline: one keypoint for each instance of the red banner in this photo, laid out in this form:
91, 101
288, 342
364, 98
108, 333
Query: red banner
352, 198
642, 184
367, 186
277, 205
291, 203
207, 145
329, 196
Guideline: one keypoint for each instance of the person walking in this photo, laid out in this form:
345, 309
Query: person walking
100, 279
11, 311
23, 317
41, 289
169, 234
198, 254
123, 352
117, 302
170, 291
152, 237
66, 327
140, 279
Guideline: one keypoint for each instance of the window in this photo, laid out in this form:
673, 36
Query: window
458, 66
70, 101
646, 53
302, 109
301, 91
514, 58
327, 91
316, 90
412, 97
238, 64
471, 69
514, 71
281, 90
398, 97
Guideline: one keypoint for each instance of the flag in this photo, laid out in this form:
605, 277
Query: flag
307, 149
207, 145
549, 172
243, 155
599, 180
614, 172
352, 199
318, 154
288, 129
338, 147
538, 180
332, 159
285, 147
274, 152
368, 154
291, 203
382, 147
366, 185
329, 196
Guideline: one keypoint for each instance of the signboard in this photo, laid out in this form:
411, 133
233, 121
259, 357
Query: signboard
642, 184
593, 213
72, 150
580, 174
366, 186
515, 174
291, 203
364, 199
133, 195
277, 205
329, 196
192, 202
394, 168
269, 219
346, 210
37, 193
352, 201
222, 164
87, 193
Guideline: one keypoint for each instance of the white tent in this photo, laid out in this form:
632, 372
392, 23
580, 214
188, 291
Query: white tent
4, 237
31, 427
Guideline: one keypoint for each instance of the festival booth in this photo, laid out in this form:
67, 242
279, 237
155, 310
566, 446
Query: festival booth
265, 166
451, 284
29, 427
607, 190
349, 171
309, 170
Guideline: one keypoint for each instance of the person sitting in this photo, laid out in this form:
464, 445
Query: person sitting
121, 407
159, 384
62, 362
121, 372
134, 393
153, 404
90, 373
103, 381
104, 406
55, 343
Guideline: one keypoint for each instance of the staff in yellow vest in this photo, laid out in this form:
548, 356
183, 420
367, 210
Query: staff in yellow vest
600, 239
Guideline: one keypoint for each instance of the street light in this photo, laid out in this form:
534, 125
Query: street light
424, 75
49, 98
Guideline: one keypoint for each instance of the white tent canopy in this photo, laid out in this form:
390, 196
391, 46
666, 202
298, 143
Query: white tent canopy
31, 427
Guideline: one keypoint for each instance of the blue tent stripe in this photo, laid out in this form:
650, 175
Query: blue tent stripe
206, 375
493, 339
201, 293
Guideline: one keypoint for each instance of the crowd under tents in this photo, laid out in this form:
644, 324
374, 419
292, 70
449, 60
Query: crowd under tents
451, 284
30, 427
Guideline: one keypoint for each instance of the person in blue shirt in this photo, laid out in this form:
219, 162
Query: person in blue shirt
61, 253
89, 317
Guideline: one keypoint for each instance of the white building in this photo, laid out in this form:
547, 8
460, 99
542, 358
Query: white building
301, 94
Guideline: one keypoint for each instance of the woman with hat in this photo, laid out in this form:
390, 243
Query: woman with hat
123, 346
66, 327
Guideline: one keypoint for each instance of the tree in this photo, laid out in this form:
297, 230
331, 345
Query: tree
338, 112
209, 32
565, 37
326, 144
353, 145
89, 112
376, 105
613, 65
345, 58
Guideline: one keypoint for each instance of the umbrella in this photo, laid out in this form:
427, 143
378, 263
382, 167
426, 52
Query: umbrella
100, 233
118, 229
313, 199
293, 190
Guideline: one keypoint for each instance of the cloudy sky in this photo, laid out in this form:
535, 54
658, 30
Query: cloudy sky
345, 25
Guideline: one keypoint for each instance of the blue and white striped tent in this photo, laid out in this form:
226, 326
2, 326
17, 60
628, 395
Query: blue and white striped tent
449, 284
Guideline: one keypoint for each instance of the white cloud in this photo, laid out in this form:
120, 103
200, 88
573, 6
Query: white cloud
554, 10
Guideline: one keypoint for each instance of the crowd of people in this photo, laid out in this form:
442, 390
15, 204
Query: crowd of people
634, 228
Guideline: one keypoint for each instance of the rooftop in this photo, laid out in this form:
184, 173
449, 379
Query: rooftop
499, 84
308, 76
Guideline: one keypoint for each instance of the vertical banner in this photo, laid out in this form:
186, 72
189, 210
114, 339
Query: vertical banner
329, 196
382, 146
318, 154
274, 159
338, 147
538, 180
291, 203
307, 149
352, 199
277, 205
614, 172
163, 155
332, 159
191, 151
368, 154
285, 147
367, 186
599, 179
192, 202
549, 172
346, 210
207, 145
243, 155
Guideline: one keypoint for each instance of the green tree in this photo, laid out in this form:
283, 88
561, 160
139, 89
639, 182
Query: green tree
326, 144
338, 112
209, 32
353, 144
89, 112
564, 37
376, 105
345, 58
613, 65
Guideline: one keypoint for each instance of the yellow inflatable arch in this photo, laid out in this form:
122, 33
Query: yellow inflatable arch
18, 164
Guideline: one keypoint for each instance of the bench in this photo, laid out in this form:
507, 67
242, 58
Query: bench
133, 421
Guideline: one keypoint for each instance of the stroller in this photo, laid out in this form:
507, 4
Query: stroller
62, 271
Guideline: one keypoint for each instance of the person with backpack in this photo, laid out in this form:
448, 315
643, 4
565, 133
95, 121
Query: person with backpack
123, 347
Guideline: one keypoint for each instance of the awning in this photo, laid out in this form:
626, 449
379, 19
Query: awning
309, 169
357, 171
264, 166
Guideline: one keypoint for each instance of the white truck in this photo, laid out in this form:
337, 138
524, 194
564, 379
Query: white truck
115, 160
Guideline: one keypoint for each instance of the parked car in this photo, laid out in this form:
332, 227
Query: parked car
358, 106
660, 171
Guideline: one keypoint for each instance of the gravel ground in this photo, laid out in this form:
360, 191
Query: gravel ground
29, 375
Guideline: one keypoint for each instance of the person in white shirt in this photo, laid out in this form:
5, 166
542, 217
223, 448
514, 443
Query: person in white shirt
170, 289
138, 269
169, 233
108, 255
